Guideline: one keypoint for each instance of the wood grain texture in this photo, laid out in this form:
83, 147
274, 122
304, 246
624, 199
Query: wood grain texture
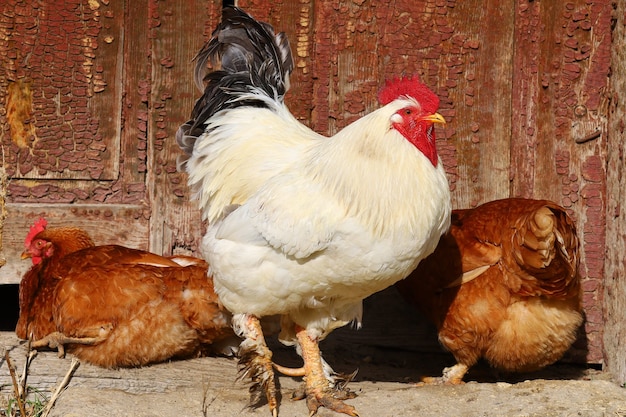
125, 225
615, 264
560, 84
176, 34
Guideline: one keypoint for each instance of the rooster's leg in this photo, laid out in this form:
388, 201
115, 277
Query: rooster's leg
319, 390
451, 376
255, 360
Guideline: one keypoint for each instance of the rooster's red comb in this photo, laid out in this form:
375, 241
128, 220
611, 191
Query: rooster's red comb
38, 226
410, 86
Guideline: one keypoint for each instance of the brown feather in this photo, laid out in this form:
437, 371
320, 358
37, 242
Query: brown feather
37, 286
73, 239
521, 309
139, 307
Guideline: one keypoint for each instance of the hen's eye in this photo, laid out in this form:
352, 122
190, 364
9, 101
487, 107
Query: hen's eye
407, 112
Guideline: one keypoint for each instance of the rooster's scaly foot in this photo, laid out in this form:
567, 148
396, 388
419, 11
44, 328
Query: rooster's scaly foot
255, 362
318, 390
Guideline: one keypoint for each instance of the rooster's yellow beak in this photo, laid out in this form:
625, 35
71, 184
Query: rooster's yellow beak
435, 118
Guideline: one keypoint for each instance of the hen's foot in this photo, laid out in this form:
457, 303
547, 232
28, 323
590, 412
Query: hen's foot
451, 376
255, 362
57, 340
318, 390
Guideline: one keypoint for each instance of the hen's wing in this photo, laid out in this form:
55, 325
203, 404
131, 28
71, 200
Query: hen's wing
108, 283
91, 296
469, 247
277, 221
532, 243
108, 255
139, 312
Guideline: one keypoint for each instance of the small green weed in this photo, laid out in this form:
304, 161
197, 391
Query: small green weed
24, 401
27, 401
34, 405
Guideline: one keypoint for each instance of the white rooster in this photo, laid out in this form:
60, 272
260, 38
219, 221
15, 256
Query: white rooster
301, 225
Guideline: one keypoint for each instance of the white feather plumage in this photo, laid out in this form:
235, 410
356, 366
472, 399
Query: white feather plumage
320, 223
301, 225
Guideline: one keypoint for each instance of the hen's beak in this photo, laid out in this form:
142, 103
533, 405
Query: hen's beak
26, 254
435, 118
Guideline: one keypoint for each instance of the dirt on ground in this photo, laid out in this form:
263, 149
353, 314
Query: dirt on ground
391, 352
385, 384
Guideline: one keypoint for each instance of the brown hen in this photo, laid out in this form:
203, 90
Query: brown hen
117, 307
502, 285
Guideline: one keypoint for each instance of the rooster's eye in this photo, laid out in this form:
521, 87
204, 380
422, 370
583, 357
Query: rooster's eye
407, 112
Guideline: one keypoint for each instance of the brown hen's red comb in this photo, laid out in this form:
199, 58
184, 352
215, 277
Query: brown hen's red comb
38, 226
409, 87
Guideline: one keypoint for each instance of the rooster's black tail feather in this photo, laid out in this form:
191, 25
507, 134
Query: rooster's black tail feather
250, 64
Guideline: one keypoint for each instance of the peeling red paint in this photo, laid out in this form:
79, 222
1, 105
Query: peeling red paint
343, 52
60, 50
565, 89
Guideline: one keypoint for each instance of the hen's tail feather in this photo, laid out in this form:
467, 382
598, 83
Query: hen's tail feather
251, 68
547, 246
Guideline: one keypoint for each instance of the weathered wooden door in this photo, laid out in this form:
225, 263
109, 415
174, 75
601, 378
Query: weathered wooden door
68, 152
92, 92
524, 86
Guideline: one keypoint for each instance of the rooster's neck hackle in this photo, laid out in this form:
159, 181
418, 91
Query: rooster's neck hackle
381, 160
